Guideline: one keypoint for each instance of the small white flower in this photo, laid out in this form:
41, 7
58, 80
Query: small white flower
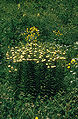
71, 81
76, 43
15, 70
71, 71
9, 65
74, 73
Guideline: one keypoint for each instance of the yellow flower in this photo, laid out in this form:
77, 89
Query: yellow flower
48, 66
7, 57
24, 33
64, 53
30, 59
34, 59
23, 48
68, 67
18, 6
46, 63
61, 34
12, 67
54, 31
21, 56
27, 59
12, 48
7, 54
9, 70
48, 50
40, 57
53, 66
24, 15
62, 58
24, 59
43, 60
10, 57
31, 53
47, 56
29, 56
73, 60
38, 14
36, 117
37, 62
58, 31
35, 51
34, 55
23, 53
27, 30
9, 65
15, 69
16, 47
14, 61
20, 60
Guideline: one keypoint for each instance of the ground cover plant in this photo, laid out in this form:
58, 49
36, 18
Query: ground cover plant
39, 59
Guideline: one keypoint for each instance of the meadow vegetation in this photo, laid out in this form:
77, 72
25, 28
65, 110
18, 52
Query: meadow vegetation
39, 59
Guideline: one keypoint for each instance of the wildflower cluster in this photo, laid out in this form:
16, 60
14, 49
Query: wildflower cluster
71, 63
11, 68
31, 34
38, 52
57, 33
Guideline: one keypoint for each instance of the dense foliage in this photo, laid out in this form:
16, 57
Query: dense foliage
39, 59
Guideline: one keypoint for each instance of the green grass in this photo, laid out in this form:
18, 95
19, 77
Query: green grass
32, 89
